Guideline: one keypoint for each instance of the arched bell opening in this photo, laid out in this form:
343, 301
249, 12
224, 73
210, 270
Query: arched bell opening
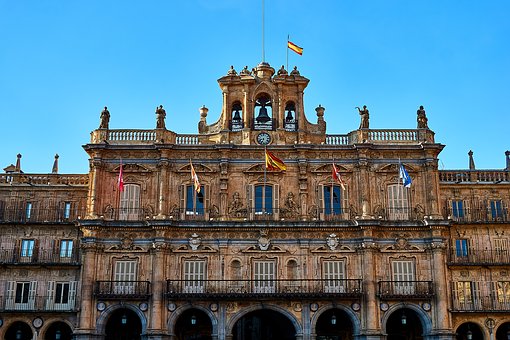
290, 121
263, 113
503, 331
236, 117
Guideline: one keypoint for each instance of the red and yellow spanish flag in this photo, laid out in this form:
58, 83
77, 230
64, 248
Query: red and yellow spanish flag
120, 181
273, 163
295, 48
194, 178
336, 176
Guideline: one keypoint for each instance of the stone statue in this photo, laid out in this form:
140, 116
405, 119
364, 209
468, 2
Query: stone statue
236, 205
105, 118
422, 118
364, 117
160, 117
290, 203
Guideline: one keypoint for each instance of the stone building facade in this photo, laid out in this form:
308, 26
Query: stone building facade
293, 253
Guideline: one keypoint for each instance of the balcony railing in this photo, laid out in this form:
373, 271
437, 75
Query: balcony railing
260, 289
120, 290
480, 297
40, 257
236, 125
474, 176
468, 215
34, 214
399, 290
39, 303
268, 126
469, 257
290, 125
45, 179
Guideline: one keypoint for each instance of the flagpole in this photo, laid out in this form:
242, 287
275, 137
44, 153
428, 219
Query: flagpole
265, 175
263, 52
287, 48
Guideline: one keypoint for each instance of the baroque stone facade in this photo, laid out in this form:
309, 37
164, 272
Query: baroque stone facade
303, 252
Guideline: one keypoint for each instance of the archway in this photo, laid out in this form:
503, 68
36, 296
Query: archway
503, 332
123, 324
404, 324
58, 331
469, 330
19, 331
193, 324
334, 324
264, 324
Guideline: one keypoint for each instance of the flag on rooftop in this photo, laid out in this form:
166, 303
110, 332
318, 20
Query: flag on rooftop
295, 48
273, 163
337, 177
404, 176
194, 178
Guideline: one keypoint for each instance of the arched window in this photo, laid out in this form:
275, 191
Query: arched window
290, 121
235, 270
292, 268
236, 122
264, 111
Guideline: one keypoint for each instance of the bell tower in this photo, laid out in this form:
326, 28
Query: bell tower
263, 101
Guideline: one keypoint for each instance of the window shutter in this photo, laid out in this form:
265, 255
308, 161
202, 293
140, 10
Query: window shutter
32, 292
182, 199
249, 201
345, 201
35, 253
72, 294
276, 201
17, 251
321, 206
50, 299
207, 207
11, 289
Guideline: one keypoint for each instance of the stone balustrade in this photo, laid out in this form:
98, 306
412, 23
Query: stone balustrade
45, 179
470, 176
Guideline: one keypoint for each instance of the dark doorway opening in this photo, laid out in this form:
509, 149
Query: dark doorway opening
334, 324
19, 331
193, 324
58, 331
404, 324
123, 324
264, 324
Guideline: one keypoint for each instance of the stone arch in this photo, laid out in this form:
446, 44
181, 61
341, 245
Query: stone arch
49, 322
230, 323
426, 322
356, 323
178, 312
102, 320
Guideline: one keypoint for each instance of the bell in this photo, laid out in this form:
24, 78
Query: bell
237, 116
289, 115
263, 117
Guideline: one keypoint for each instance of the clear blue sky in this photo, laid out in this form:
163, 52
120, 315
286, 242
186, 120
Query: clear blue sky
62, 61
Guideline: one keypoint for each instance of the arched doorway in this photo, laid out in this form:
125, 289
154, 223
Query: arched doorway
264, 324
404, 324
123, 324
469, 330
334, 324
503, 332
58, 331
193, 324
19, 331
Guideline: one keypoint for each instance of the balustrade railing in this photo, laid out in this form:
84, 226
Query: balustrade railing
45, 179
478, 257
476, 176
122, 289
405, 289
39, 303
131, 135
477, 296
338, 140
187, 140
34, 214
268, 288
393, 135
39, 256
498, 214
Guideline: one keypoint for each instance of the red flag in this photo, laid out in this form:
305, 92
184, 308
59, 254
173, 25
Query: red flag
295, 48
336, 176
194, 178
121, 179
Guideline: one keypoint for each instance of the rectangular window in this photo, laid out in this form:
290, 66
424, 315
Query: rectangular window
334, 276
497, 213
130, 203
194, 276
22, 292
66, 248
67, 210
62, 292
398, 203
264, 276
263, 199
194, 201
461, 247
458, 210
28, 210
27, 248
125, 277
503, 291
403, 277
467, 295
332, 200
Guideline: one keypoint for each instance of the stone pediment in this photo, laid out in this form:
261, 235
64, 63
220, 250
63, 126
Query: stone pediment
328, 168
131, 167
259, 168
199, 168
394, 168
201, 249
325, 249
256, 249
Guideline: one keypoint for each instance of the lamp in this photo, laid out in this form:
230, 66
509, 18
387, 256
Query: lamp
123, 320
469, 335
193, 320
333, 320
58, 334
508, 334
18, 334
403, 319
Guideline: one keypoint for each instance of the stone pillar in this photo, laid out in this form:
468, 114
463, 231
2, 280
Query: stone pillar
163, 184
86, 322
370, 314
157, 329
91, 199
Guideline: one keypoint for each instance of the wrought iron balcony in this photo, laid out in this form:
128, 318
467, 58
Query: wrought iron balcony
34, 214
123, 290
479, 257
40, 257
404, 290
290, 125
263, 289
38, 303
466, 215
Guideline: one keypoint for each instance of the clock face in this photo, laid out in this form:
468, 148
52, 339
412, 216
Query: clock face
263, 138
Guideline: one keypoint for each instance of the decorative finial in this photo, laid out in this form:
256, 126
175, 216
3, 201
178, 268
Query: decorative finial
471, 160
18, 163
232, 71
507, 154
54, 170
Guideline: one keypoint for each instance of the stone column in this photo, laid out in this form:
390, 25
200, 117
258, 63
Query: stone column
163, 184
157, 328
91, 199
370, 315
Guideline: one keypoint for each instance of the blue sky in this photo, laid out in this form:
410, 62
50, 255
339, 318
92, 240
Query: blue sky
61, 62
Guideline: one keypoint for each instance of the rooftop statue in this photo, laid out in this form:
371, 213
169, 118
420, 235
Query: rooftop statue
105, 118
422, 118
364, 117
160, 117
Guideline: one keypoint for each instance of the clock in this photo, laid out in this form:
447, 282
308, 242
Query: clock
37, 322
101, 306
263, 138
